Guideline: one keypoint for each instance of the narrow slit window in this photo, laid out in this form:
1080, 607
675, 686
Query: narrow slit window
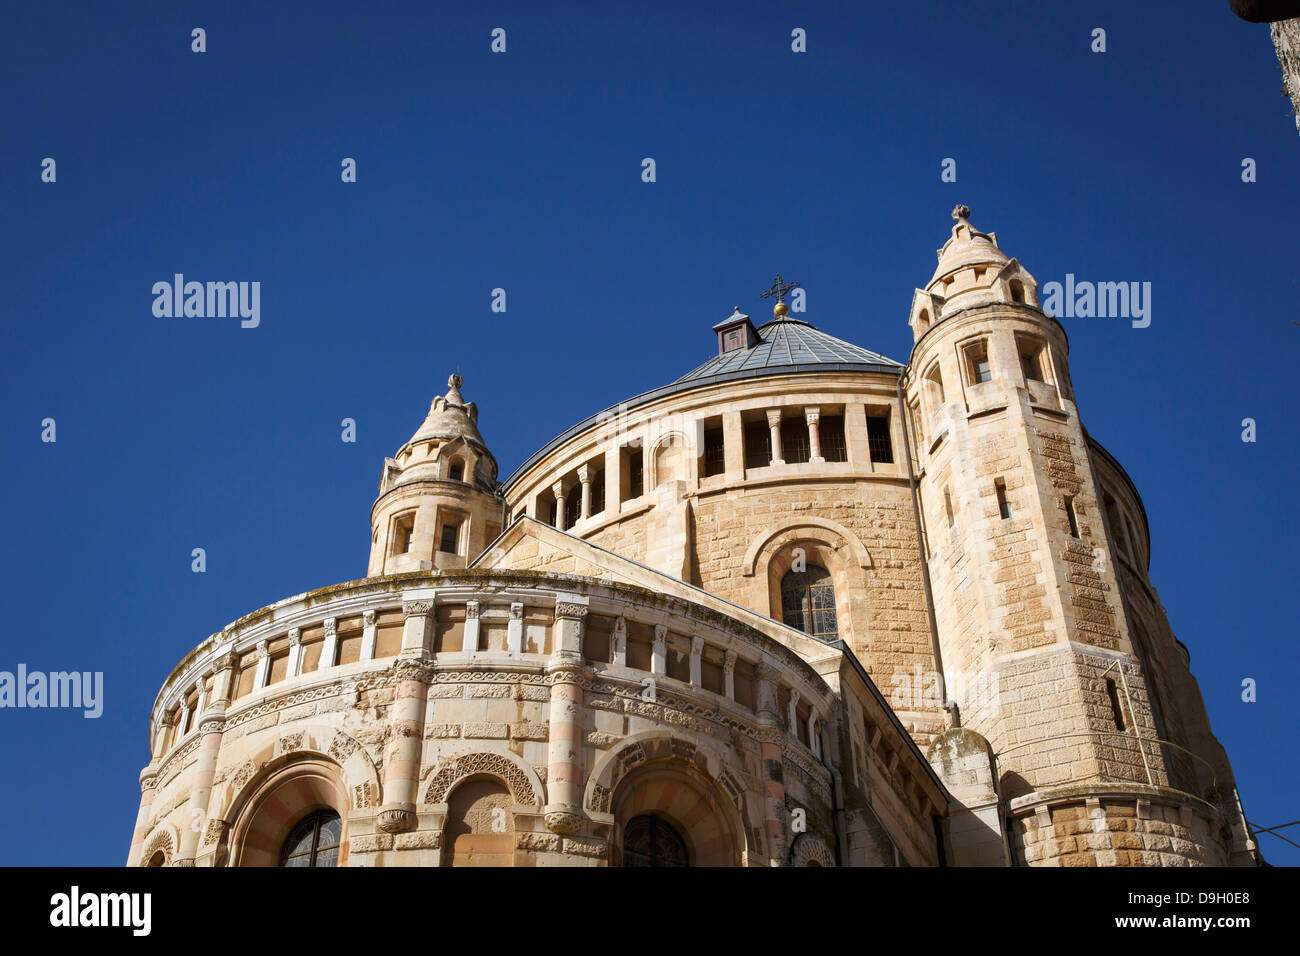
635, 473
1004, 509
715, 454
1116, 710
1069, 513
947, 505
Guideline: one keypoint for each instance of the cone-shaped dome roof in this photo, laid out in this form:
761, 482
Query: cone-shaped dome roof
967, 246
450, 416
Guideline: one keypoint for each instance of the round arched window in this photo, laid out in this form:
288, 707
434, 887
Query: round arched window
314, 841
652, 841
808, 602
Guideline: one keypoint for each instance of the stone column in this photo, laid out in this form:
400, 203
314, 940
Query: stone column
212, 722
160, 739
368, 636
183, 718
659, 650
263, 667
770, 746
148, 787
774, 426
406, 722
469, 642
729, 675
557, 489
812, 415
697, 648
515, 629
618, 642
585, 476
567, 670
294, 666
814, 737
329, 653
792, 714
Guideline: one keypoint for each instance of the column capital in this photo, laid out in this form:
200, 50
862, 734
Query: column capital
566, 609
262, 652
295, 636
812, 413
368, 618
413, 668
331, 627
586, 473
774, 418
766, 671
729, 661
471, 610
697, 645
417, 608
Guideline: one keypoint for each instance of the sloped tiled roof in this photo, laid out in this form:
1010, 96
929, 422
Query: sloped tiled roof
787, 343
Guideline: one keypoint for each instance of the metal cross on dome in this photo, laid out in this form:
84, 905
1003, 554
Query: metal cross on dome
779, 289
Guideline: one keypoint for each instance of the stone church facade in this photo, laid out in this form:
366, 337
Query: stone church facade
805, 605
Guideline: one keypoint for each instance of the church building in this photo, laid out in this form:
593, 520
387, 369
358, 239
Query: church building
805, 605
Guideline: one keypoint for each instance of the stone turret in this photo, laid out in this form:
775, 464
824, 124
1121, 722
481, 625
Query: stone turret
437, 506
1021, 555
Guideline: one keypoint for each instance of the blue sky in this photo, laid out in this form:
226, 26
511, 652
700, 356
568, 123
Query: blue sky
522, 171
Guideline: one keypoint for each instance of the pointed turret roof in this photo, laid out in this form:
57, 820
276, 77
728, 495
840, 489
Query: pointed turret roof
450, 416
967, 246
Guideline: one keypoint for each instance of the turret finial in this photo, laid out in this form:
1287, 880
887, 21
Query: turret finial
961, 211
